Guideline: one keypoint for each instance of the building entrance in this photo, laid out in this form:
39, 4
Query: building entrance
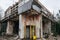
30, 32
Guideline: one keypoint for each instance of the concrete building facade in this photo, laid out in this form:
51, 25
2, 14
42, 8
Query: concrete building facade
28, 19
36, 15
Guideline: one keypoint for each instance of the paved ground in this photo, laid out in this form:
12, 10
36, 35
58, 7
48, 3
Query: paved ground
9, 37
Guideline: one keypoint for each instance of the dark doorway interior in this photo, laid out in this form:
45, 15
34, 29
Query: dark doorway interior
16, 27
27, 32
30, 32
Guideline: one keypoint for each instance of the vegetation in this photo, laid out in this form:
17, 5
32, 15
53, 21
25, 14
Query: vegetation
56, 27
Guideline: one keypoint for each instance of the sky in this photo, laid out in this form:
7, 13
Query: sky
4, 4
51, 5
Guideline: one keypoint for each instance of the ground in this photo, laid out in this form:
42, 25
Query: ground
9, 38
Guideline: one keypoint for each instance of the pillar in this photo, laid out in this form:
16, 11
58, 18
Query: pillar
49, 27
37, 28
46, 27
39, 31
10, 25
21, 27
41, 28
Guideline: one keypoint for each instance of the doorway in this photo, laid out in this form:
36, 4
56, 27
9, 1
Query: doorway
16, 27
30, 32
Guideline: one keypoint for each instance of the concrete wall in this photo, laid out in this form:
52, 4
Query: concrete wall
29, 21
47, 27
9, 29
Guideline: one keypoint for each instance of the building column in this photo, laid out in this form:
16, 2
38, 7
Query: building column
49, 29
46, 27
10, 25
49, 26
39, 30
21, 27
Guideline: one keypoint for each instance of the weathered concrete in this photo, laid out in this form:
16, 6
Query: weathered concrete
49, 31
41, 26
9, 29
38, 26
29, 21
47, 27
32, 17
21, 27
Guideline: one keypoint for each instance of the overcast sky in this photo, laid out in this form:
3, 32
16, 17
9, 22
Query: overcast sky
52, 5
6, 3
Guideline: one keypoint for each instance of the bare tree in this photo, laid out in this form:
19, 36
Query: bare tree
58, 16
1, 13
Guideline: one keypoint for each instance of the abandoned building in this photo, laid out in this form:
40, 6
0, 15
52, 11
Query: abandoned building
27, 18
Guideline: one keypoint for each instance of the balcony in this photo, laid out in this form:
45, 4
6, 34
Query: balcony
14, 10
